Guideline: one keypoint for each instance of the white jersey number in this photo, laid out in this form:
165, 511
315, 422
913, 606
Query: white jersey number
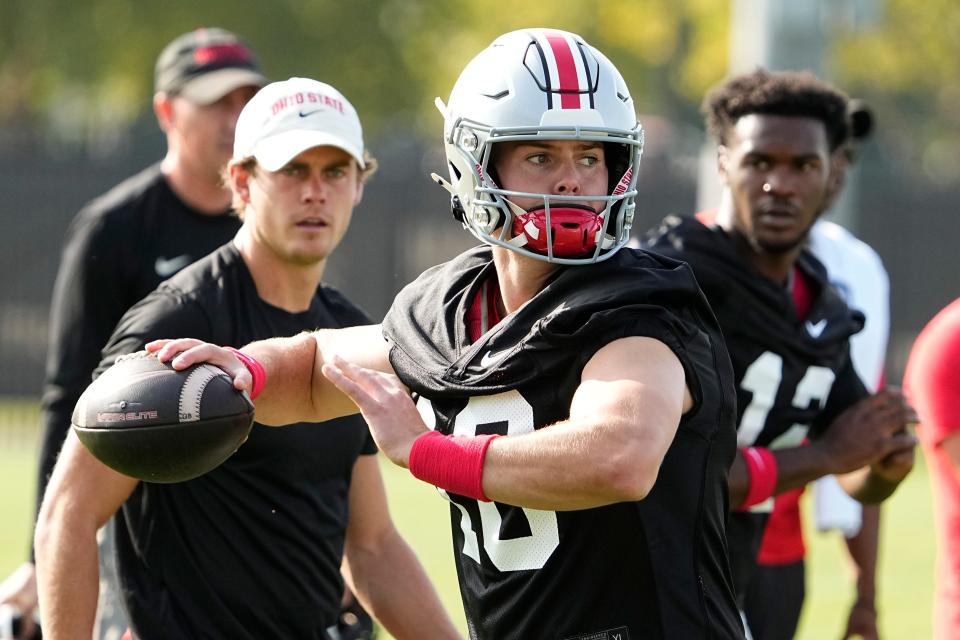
762, 378
515, 554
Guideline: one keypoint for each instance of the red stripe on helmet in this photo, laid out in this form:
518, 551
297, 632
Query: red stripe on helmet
566, 71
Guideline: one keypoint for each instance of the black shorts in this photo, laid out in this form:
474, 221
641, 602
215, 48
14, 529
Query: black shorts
773, 601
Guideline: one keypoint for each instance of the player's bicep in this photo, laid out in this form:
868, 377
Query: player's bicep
637, 381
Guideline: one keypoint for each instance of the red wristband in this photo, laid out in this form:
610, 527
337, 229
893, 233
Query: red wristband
762, 472
255, 368
451, 463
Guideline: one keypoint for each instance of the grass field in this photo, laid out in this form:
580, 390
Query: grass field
906, 571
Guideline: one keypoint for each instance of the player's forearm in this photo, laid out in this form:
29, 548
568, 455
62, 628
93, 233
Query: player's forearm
67, 578
393, 586
56, 426
574, 465
296, 390
796, 466
867, 486
863, 549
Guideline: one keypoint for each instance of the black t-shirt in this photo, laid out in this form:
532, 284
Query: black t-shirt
794, 375
656, 568
117, 250
252, 549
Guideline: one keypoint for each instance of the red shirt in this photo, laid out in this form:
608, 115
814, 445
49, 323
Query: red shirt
932, 383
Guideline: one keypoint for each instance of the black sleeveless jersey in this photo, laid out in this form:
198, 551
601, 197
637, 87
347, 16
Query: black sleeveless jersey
651, 569
793, 375
252, 549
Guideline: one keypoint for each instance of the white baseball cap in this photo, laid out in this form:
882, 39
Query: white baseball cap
286, 118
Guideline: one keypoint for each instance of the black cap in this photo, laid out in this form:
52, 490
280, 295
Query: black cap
205, 65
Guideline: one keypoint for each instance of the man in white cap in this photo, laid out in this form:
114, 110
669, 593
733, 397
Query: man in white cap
124, 243
252, 549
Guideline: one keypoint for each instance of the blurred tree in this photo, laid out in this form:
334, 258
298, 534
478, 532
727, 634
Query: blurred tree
85, 69
82, 72
907, 66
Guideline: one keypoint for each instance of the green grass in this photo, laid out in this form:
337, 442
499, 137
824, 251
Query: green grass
905, 572
906, 562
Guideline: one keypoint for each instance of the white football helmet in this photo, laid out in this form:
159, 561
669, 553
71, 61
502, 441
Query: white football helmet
548, 85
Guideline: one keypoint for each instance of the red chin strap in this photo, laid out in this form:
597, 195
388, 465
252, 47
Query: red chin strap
574, 229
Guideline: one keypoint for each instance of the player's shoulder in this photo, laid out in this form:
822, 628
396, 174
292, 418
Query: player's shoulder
110, 216
696, 240
675, 235
192, 302
208, 279
347, 313
125, 197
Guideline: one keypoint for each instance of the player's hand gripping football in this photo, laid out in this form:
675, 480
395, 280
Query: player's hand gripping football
872, 432
184, 352
385, 404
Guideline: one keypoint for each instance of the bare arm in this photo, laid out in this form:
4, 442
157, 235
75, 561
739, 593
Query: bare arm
867, 446
384, 572
295, 390
623, 417
862, 621
82, 495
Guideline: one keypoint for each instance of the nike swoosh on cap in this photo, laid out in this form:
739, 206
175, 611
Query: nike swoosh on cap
309, 113
169, 266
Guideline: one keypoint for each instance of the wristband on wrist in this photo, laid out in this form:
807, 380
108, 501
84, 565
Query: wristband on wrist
255, 368
762, 472
451, 463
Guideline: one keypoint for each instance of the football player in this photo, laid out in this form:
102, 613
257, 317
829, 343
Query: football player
777, 591
252, 549
574, 402
787, 329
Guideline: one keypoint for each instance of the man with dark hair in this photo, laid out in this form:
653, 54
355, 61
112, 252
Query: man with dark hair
124, 243
857, 272
574, 402
786, 328
252, 549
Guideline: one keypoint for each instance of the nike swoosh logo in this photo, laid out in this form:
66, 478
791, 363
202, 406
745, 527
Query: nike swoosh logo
491, 358
168, 266
309, 113
815, 330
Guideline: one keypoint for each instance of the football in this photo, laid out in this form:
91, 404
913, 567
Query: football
145, 419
